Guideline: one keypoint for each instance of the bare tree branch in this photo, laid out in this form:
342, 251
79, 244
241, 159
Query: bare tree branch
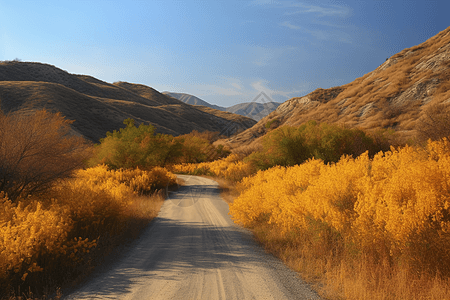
36, 150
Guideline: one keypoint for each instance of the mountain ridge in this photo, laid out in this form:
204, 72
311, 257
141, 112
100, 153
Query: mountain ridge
97, 106
193, 100
254, 110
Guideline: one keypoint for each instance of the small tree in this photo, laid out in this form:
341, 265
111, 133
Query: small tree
36, 150
286, 147
132, 147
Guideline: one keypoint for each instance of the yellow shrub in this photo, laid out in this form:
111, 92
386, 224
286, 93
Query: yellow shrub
54, 234
397, 204
124, 181
27, 231
230, 168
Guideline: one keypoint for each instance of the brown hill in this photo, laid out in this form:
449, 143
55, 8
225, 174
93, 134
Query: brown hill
405, 93
98, 107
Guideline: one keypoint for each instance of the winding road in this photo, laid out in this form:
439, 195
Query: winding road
193, 250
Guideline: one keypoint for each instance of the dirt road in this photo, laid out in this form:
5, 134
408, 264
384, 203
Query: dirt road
194, 251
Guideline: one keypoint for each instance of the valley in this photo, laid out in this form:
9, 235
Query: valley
348, 186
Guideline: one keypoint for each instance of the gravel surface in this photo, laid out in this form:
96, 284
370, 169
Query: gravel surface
193, 250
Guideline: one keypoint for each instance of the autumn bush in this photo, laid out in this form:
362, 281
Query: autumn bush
35, 150
230, 167
371, 228
48, 240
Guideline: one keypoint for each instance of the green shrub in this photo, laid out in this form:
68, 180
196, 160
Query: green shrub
272, 124
287, 145
142, 147
132, 147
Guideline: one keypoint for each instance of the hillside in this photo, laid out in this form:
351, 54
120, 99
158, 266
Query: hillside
97, 107
252, 110
404, 93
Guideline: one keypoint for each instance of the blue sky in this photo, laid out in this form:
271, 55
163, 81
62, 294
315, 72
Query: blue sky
225, 52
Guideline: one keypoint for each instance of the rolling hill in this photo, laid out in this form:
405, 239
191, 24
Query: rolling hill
254, 110
97, 106
408, 92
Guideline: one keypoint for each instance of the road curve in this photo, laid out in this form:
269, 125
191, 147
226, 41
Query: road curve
193, 250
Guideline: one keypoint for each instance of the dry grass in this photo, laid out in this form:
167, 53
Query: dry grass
338, 278
390, 80
29, 295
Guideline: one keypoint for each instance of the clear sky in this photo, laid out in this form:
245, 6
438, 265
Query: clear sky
225, 52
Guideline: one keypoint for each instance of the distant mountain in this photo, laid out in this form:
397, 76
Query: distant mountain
97, 107
409, 91
192, 100
252, 110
